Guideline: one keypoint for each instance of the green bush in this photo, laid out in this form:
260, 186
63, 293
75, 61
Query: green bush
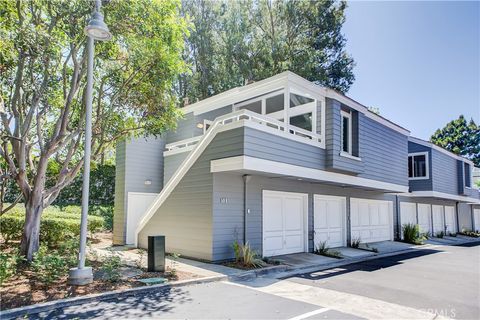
411, 233
111, 268
323, 250
8, 265
55, 225
50, 266
246, 256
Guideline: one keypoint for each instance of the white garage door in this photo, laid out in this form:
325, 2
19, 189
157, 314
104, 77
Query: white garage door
371, 220
408, 214
438, 219
425, 218
476, 219
284, 218
329, 220
450, 220
138, 203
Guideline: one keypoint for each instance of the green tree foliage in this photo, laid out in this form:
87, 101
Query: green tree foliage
234, 42
43, 73
460, 137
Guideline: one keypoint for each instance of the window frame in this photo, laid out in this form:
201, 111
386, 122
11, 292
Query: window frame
427, 165
470, 175
348, 115
310, 107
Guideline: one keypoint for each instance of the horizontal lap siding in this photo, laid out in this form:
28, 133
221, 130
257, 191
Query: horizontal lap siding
119, 203
383, 151
185, 218
444, 173
172, 162
267, 146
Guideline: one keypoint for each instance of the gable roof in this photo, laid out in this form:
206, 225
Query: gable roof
277, 82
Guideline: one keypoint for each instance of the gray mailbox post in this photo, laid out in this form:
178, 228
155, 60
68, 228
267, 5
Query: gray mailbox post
156, 253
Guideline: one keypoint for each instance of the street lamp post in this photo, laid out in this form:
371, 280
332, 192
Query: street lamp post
95, 30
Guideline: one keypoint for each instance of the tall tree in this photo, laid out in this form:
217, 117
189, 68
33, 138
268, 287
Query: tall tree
460, 137
233, 42
43, 67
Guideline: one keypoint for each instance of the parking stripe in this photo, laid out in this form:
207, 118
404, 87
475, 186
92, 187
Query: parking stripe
309, 314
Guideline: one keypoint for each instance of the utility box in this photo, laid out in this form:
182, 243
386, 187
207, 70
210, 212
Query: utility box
156, 253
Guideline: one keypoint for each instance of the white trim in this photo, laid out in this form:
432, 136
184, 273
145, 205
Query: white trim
436, 194
348, 155
278, 82
304, 197
427, 165
177, 151
344, 213
289, 170
348, 115
440, 149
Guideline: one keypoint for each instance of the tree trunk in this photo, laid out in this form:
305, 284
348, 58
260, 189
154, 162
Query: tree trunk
31, 230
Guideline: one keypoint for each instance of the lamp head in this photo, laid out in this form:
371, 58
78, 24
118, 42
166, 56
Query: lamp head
97, 29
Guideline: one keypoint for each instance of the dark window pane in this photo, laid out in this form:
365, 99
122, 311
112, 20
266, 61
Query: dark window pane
303, 121
274, 104
296, 100
254, 106
345, 134
466, 172
410, 167
420, 166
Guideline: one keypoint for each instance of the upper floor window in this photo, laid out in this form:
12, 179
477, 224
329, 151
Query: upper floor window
418, 165
346, 132
467, 175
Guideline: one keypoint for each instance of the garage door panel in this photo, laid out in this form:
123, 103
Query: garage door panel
283, 223
329, 220
375, 220
450, 220
438, 219
476, 218
424, 218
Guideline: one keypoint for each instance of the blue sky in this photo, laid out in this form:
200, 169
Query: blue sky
418, 62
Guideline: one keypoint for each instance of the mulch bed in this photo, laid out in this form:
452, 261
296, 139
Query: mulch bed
23, 289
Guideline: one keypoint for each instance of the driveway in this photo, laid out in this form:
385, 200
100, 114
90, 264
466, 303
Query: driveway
439, 282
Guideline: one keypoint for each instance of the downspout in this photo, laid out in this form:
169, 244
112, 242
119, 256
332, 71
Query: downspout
397, 225
246, 178
458, 220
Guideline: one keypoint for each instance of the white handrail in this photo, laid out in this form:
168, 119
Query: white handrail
254, 117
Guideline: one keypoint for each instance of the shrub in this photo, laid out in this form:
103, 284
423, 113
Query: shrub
246, 256
470, 233
411, 233
49, 265
356, 242
323, 250
8, 265
55, 225
106, 213
440, 234
111, 268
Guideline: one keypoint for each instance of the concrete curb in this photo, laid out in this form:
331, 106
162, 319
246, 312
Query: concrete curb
42, 307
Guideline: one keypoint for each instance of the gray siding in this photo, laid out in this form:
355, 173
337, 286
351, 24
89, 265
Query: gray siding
423, 184
172, 162
382, 150
187, 127
444, 173
228, 217
119, 202
185, 218
137, 160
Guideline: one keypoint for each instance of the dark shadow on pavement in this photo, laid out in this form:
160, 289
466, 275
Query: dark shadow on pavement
366, 266
144, 305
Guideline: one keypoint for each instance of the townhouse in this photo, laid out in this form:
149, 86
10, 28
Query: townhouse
285, 164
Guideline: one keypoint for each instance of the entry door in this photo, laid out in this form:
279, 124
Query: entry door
450, 221
283, 222
138, 203
438, 219
329, 220
408, 214
425, 218
476, 218
371, 220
